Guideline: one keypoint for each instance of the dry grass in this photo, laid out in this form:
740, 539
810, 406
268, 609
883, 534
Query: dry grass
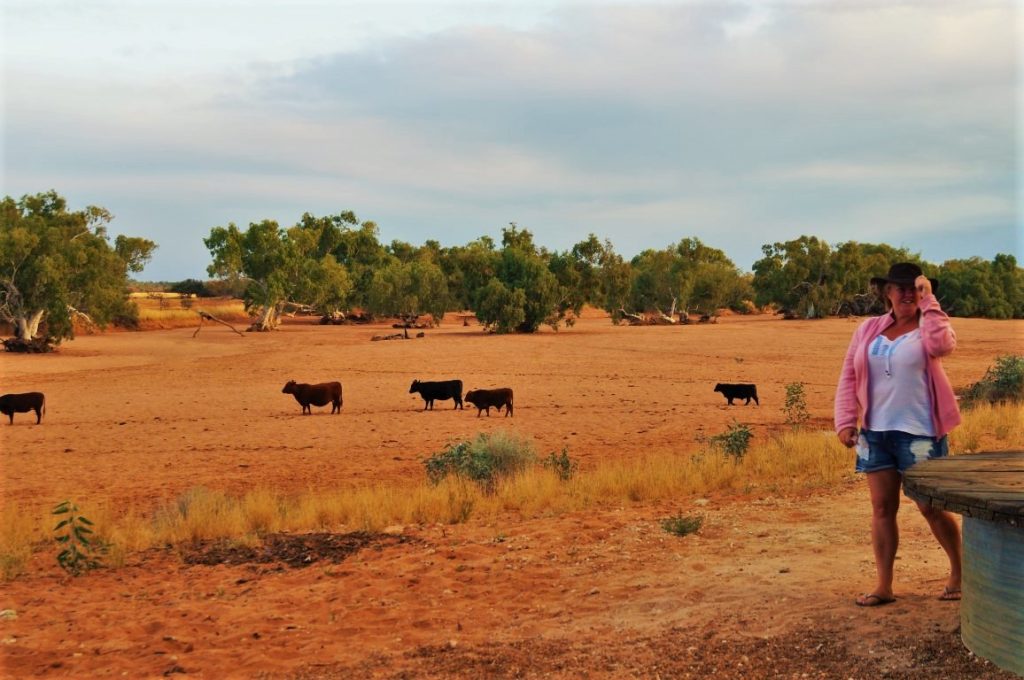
18, 531
989, 427
791, 463
171, 314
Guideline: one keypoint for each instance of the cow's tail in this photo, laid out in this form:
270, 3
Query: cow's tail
43, 406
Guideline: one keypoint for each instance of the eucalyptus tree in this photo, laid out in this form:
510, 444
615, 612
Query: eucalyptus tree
57, 263
793, 274
976, 287
409, 289
513, 289
687, 274
468, 269
280, 266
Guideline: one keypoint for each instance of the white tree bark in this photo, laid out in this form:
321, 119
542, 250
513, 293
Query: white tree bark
269, 318
27, 327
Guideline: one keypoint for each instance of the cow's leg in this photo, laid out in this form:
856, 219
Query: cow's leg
39, 416
730, 400
756, 401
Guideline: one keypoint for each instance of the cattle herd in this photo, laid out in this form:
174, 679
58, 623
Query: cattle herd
321, 394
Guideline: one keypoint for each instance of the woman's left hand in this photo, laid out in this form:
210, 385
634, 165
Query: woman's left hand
923, 285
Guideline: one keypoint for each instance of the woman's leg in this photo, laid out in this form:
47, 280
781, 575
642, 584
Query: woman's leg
947, 531
884, 486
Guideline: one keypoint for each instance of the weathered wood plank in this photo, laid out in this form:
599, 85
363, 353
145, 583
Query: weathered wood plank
986, 486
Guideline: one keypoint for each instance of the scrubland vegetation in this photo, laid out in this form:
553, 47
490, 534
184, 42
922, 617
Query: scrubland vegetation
519, 484
59, 266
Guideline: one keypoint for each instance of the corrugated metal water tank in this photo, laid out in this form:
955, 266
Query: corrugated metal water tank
992, 609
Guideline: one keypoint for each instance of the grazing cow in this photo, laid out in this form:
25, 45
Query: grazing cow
317, 395
741, 391
441, 389
23, 403
485, 399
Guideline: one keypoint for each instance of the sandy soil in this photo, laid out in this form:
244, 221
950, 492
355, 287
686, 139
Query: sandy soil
764, 590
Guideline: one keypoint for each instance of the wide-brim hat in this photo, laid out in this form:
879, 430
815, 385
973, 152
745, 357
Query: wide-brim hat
903, 274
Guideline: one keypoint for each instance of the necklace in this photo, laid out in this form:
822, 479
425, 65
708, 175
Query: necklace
892, 350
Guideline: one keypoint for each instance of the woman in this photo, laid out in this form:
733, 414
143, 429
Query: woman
893, 384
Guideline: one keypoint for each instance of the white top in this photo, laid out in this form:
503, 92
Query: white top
898, 385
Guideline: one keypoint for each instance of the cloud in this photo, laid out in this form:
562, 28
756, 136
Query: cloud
739, 123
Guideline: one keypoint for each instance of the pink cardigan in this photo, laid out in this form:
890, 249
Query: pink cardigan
938, 339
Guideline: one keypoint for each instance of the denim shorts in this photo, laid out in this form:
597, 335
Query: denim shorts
894, 449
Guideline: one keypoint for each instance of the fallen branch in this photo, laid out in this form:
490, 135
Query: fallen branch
634, 319
298, 308
663, 318
204, 316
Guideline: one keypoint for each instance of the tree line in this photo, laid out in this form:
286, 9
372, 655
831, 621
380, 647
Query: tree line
56, 263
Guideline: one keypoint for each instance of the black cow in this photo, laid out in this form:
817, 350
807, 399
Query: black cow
23, 403
741, 391
441, 389
485, 399
320, 394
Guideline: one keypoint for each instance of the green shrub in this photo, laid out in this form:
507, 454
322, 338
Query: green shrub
735, 441
795, 407
484, 460
681, 525
1001, 383
80, 553
561, 464
191, 287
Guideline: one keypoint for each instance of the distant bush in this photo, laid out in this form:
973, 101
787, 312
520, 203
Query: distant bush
1003, 382
484, 460
735, 441
681, 525
191, 287
234, 288
128, 318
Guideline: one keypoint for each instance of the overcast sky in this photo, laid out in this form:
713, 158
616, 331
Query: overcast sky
739, 123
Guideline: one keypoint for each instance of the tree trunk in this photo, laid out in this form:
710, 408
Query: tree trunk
269, 318
27, 327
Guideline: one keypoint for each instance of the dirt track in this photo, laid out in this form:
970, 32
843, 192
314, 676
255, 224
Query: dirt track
765, 589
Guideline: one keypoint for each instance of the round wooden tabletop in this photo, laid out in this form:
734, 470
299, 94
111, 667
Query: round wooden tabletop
987, 486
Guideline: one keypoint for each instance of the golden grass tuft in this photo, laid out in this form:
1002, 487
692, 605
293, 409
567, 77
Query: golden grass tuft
18, 530
788, 463
989, 427
173, 315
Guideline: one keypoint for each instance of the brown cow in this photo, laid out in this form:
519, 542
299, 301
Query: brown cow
23, 403
318, 395
485, 399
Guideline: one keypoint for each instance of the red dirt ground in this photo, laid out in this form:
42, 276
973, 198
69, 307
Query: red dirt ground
765, 589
